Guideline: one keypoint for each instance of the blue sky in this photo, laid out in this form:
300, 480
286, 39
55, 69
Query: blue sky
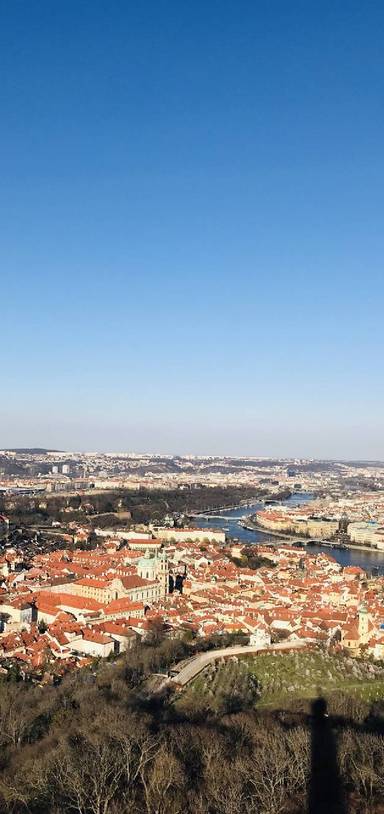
191, 209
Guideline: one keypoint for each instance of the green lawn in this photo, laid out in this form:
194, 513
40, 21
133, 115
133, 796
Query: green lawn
303, 675
274, 680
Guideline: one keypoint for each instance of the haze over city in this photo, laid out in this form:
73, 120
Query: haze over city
192, 238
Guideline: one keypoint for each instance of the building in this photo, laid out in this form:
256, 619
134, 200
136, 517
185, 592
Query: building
155, 567
17, 613
260, 637
294, 523
93, 643
172, 535
368, 533
136, 540
122, 608
358, 632
103, 591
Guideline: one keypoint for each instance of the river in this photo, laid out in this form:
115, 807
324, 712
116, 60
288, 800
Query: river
368, 560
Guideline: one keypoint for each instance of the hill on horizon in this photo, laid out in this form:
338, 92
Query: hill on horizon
31, 450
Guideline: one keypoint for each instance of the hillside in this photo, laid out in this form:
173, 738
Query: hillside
99, 744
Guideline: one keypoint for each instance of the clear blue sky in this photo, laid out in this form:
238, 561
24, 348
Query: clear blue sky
192, 236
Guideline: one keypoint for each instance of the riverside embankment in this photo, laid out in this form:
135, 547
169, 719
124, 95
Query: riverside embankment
236, 522
259, 500
290, 538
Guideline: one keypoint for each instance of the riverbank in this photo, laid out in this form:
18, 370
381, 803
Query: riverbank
307, 542
261, 498
237, 526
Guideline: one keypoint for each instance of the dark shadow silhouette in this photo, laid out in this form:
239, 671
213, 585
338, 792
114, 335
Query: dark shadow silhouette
325, 793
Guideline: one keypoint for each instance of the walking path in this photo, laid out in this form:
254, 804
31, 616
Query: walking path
192, 667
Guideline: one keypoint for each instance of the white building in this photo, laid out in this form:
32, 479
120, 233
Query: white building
93, 643
367, 532
155, 568
260, 637
189, 535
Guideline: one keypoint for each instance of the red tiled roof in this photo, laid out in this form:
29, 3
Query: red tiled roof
134, 581
123, 604
95, 636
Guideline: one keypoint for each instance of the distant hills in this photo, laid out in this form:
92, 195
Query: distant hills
31, 450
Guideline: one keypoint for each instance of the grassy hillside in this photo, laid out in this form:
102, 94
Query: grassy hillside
274, 680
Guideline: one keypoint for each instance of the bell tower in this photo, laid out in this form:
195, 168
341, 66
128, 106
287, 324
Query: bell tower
163, 572
363, 624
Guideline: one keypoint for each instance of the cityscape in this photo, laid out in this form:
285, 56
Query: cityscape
191, 411
81, 578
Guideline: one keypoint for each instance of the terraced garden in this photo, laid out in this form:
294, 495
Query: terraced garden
272, 680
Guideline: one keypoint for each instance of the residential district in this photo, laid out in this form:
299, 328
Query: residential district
47, 471
351, 520
86, 591
68, 606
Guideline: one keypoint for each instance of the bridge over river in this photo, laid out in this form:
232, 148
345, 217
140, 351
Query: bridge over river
215, 517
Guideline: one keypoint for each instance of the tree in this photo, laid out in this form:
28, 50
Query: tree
156, 631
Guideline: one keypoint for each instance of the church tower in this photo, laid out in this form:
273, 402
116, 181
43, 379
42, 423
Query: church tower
363, 624
155, 567
163, 572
